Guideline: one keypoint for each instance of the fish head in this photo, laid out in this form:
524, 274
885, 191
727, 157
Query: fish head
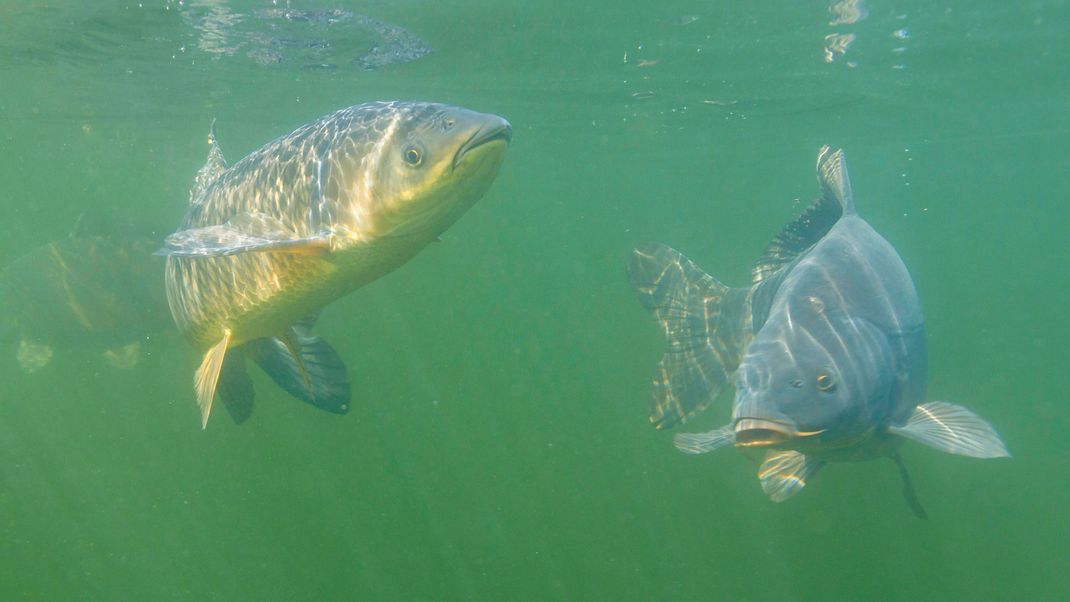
430, 163
812, 380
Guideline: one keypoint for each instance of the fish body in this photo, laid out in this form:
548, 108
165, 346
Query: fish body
307, 218
826, 349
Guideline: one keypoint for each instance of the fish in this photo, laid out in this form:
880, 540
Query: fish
826, 350
269, 241
97, 289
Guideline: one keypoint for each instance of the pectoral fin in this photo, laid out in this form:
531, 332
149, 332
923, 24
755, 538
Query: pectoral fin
784, 473
953, 429
207, 375
244, 233
306, 366
700, 443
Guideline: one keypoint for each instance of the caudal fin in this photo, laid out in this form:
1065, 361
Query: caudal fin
705, 325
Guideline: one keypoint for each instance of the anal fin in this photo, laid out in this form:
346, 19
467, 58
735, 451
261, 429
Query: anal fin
207, 375
784, 473
953, 429
235, 388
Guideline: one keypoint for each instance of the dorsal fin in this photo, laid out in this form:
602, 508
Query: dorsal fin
213, 167
812, 224
832, 175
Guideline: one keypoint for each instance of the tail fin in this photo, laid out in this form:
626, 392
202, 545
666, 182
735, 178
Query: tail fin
306, 367
705, 323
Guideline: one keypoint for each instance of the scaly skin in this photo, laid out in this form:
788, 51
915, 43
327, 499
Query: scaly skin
341, 175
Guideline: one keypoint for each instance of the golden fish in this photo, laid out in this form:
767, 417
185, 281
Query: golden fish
306, 219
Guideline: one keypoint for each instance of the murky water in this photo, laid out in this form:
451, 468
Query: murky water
498, 447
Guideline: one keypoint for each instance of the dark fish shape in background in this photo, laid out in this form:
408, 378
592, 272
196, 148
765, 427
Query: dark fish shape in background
96, 289
305, 219
826, 349
306, 38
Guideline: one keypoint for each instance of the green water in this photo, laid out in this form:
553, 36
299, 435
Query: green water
498, 448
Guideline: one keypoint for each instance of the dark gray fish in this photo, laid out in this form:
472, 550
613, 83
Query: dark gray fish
826, 349
98, 289
305, 219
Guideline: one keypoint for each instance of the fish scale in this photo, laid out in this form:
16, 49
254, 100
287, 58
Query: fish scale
307, 218
826, 349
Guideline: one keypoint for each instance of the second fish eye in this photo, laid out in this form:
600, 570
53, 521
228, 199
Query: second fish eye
825, 382
412, 155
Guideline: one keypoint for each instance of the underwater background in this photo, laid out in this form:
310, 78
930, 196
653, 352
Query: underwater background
498, 447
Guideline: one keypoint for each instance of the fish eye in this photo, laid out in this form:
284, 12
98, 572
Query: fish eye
412, 155
825, 382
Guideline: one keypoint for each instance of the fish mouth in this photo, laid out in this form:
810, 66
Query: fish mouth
493, 130
757, 432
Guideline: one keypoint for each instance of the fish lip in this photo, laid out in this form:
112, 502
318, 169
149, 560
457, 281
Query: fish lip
762, 432
495, 129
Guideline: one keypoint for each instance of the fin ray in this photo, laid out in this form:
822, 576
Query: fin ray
701, 443
783, 474
953, 429
815, 221
832, 175
705, 329
207, 375
306, 367
243, 233
213, 167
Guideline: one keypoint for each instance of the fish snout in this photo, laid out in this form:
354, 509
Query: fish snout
491, 128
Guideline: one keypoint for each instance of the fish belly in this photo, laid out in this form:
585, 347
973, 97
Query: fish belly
256, 295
